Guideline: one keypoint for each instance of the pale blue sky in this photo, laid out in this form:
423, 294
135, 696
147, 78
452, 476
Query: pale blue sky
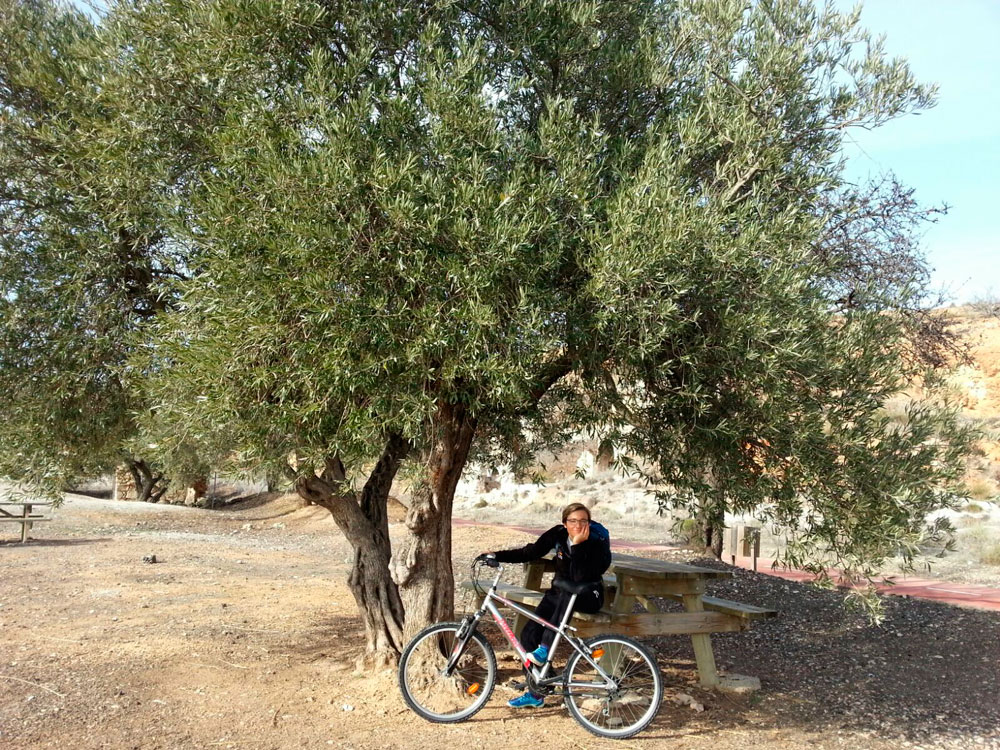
950, 154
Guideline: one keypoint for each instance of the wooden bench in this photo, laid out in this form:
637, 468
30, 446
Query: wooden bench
26, 517
746, 612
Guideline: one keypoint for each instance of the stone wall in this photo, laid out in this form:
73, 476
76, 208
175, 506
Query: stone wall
124, 484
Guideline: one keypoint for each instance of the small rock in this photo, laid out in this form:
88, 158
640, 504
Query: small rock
683, 699
738, 683
149, 559
347, 707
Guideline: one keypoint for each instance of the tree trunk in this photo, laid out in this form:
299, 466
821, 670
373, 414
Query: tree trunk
712, 530
605, 456
149, 487
712, 515
422, 566
364, 522
712, 525
420, 589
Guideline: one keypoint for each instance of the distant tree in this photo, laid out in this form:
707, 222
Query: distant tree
423, 232
82, 259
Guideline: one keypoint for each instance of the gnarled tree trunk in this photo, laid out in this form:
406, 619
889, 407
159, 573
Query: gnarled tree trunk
422, 565
713, 527
150, 487
399, 594
364, 522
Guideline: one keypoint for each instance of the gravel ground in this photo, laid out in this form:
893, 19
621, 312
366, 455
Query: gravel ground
243, 635
928, 675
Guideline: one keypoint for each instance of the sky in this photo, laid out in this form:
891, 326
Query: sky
951, 153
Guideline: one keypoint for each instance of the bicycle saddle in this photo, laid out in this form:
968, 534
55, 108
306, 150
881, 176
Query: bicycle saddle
574, 588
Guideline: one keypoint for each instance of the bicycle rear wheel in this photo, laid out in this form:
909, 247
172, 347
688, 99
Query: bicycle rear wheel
625, 710
440, 698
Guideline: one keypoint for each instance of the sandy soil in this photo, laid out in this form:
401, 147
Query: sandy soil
243, 634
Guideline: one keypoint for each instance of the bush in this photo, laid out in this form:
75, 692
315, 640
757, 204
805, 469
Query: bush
982, 488
990, 554
987, 305
687, 530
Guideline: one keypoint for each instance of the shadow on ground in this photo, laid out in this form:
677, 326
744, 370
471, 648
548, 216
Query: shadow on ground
51, 542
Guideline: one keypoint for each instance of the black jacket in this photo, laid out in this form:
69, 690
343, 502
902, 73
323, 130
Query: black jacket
585, 561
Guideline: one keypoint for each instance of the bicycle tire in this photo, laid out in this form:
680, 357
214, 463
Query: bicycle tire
423, 646
634, 661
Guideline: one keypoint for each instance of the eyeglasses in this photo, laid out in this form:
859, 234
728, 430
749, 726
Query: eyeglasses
577, 521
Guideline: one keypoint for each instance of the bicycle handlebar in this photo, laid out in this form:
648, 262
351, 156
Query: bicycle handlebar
490, 563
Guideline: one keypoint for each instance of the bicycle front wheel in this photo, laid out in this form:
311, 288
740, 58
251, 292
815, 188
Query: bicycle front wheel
446, 698
628, 707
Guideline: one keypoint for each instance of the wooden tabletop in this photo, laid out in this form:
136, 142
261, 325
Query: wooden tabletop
644, 567
24, 502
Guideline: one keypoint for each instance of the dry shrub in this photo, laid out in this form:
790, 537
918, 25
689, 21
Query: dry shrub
982, 541
990, 554
982, 488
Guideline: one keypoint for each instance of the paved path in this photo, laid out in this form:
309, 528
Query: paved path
959, 594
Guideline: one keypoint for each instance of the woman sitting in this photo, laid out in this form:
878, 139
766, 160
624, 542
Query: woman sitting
583, 553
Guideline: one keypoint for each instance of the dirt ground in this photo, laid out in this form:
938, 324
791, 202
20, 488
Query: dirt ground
243, 634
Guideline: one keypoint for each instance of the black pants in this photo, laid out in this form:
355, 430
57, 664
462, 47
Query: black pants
552, 607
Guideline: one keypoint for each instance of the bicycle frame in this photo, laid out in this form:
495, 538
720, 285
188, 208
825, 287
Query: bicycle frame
542, 678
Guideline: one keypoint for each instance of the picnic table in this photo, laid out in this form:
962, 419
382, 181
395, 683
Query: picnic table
22, 512
631, 581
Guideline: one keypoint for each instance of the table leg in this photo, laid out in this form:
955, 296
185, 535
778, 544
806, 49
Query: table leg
704, 657
533, 573
622, 604
24, 524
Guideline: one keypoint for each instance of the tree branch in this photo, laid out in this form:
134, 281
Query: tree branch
552, 372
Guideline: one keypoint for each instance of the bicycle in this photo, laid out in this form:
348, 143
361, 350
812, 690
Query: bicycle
611, 684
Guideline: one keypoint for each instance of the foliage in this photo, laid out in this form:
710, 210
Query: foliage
64, 414
625, 218
82, 253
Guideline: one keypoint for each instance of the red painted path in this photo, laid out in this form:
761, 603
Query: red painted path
959, 594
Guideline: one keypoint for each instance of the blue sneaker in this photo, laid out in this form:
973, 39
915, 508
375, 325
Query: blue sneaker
527, 701
540, 655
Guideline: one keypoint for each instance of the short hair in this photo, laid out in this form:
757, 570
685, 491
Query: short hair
573, 508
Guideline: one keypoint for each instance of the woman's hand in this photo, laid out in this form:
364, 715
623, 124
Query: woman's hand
582, 536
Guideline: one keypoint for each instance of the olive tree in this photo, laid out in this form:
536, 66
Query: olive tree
419, 233
83, 257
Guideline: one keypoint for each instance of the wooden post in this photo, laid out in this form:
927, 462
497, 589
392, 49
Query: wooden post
25, 524
622, 604
533, 572
708, 675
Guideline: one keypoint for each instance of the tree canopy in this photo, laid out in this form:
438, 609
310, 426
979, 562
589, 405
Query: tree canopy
411, 233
